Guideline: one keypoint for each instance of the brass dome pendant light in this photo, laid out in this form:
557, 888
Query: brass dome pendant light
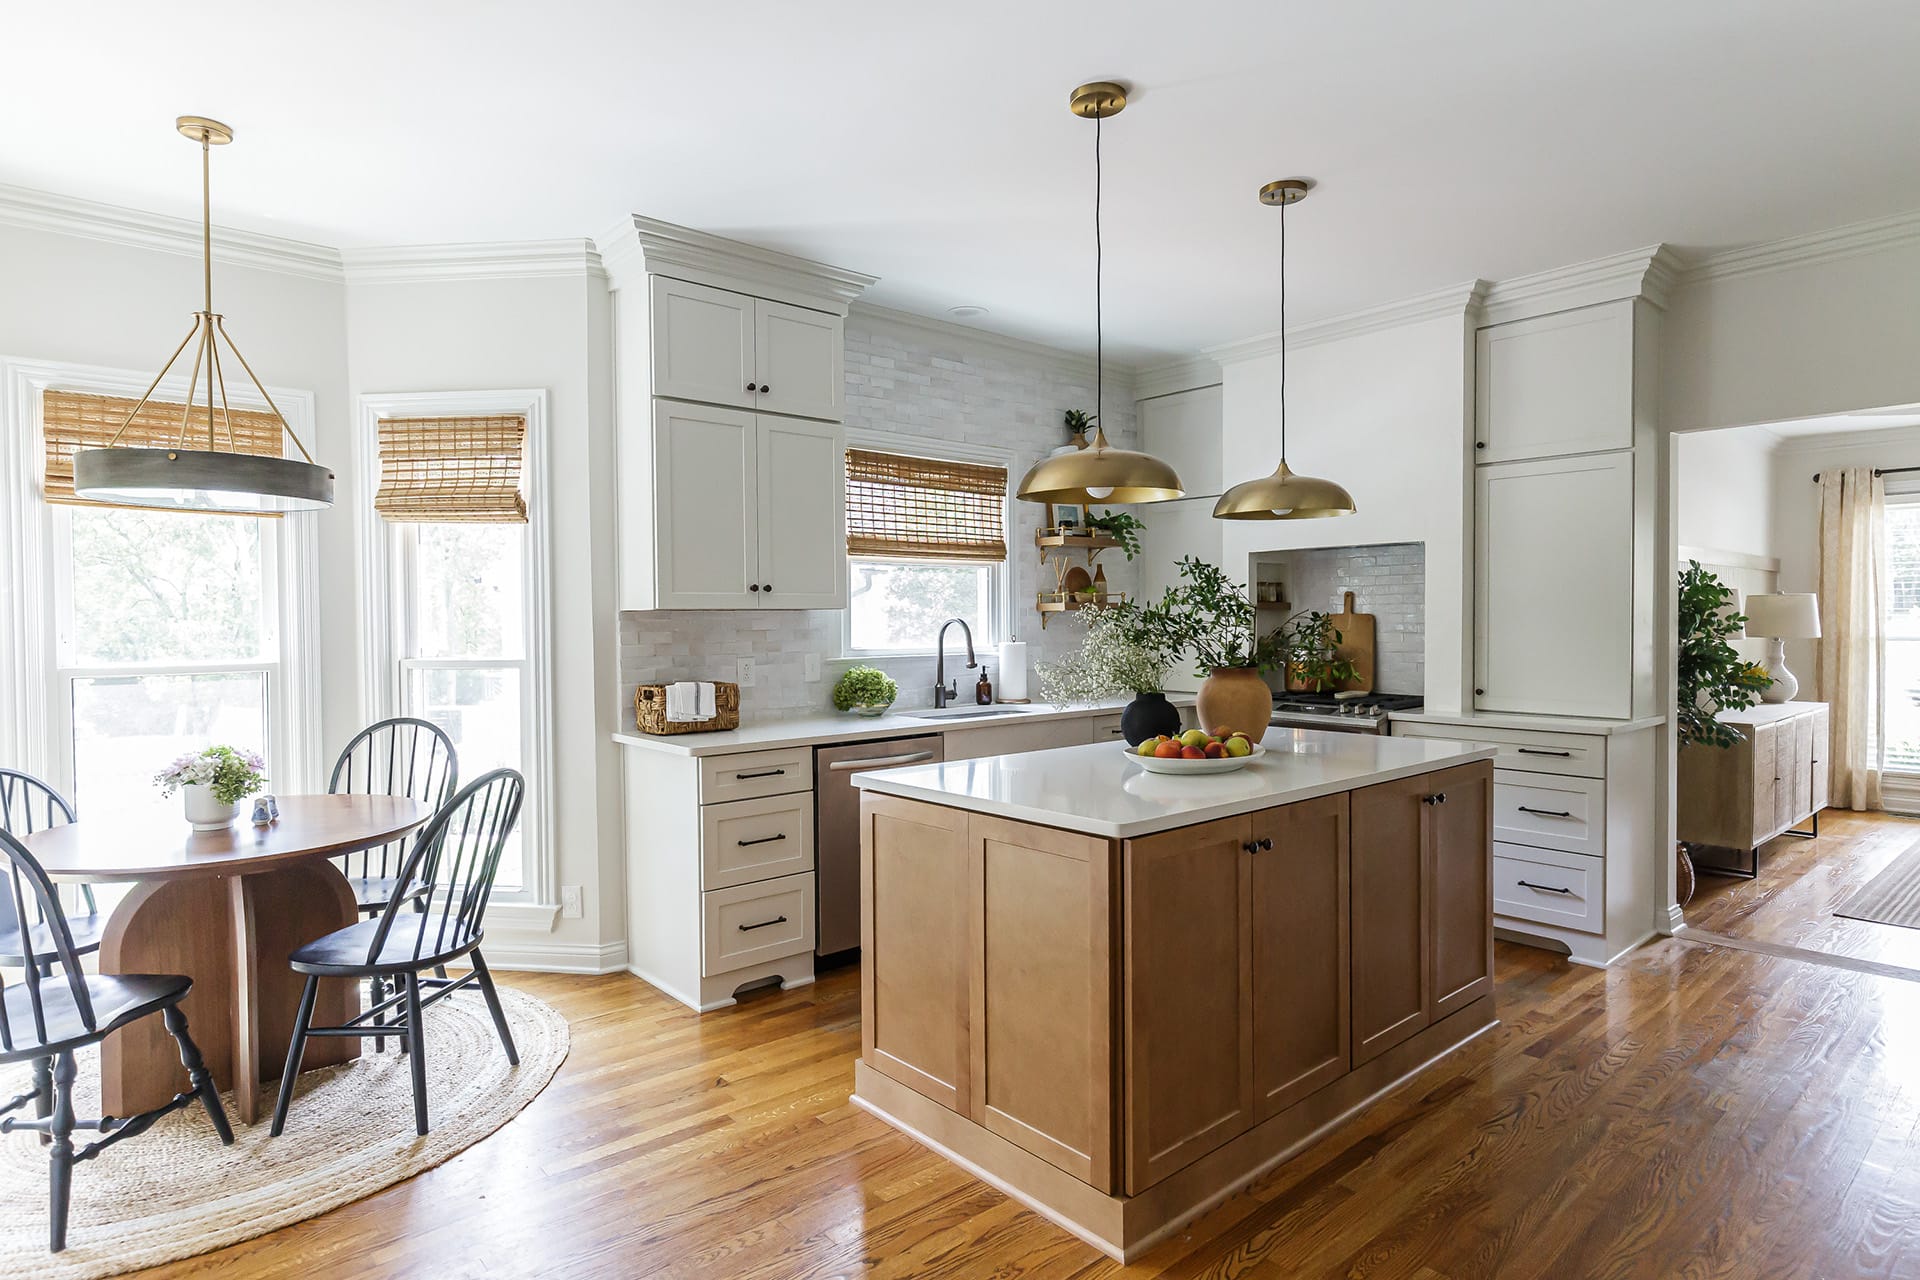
1098, 472
186, 477
1283, 495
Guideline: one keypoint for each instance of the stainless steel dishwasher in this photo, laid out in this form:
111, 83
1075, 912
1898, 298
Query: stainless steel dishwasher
836, 842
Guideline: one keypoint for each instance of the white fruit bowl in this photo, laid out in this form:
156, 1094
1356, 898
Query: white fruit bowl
1157, 764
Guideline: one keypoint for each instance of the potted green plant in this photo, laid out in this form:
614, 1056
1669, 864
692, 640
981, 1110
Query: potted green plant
213, 783
1713, 677
1308, 642
1214, 617
865, 691
1133, 648
1122, 526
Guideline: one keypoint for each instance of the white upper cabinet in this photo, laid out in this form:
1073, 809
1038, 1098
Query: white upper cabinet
802, 516
707, 515
798, 354
1557, 614
703, 344
1185, 430
1555, 385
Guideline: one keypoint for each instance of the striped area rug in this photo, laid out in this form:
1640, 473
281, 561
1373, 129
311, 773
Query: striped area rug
1892, 897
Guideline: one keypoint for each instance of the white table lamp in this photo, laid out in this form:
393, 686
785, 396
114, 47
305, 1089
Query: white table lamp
1779, 618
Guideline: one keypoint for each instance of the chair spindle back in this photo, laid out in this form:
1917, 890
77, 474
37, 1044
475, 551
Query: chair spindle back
403, 756
454, 860
28, 805
33, 899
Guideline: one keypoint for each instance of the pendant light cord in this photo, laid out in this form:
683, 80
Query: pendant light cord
1099, 308
1283, 331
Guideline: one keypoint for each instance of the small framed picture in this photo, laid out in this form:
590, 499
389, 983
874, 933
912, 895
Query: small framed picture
1067, 517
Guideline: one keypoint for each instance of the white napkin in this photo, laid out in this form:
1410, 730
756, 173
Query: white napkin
683, 702
703, 705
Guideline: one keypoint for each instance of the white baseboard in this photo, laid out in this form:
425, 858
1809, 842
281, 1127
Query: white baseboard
530, 956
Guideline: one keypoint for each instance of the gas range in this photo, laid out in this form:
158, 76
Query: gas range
1368, 713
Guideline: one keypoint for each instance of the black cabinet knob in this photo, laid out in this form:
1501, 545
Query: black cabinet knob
751, 387
765, 388
753, 586
1479, 444
768, 587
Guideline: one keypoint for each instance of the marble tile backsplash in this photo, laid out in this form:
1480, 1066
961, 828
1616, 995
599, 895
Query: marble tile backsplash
1387, 580
907, 384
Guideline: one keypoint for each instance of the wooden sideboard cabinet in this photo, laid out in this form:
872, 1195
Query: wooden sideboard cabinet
1771, 781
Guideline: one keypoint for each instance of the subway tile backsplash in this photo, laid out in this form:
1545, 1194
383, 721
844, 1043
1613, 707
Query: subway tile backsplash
1388, 580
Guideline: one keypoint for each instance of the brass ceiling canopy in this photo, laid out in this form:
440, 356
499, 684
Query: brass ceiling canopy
187, 478
1098, 472
1284, 495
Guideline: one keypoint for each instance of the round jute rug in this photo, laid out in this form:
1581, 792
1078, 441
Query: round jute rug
174, 1191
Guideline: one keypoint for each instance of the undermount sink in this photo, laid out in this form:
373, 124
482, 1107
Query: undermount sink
964, 713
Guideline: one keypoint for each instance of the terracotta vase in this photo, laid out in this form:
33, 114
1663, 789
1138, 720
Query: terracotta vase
1235, 698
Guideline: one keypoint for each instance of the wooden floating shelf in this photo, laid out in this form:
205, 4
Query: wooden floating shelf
1053, 602
1075, 541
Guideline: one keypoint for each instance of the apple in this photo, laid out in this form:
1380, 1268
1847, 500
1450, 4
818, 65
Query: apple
1192, 753
1146, 748
1168, 750
1215, 751
1194, 738
1238, 745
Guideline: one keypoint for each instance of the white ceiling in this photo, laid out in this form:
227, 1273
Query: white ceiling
930, 143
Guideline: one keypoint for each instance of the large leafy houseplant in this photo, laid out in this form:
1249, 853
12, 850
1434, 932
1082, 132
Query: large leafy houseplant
1308, 642
1713, 675
1214, 617
1122, 526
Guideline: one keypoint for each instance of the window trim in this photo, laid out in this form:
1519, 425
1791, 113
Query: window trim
536, 904
29, 652
941, 451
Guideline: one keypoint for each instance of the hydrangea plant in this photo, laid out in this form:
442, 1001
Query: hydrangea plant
231, 775
864, 687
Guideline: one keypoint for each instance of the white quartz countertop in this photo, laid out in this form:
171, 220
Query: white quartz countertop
1096, 790
1543, 724
826, 727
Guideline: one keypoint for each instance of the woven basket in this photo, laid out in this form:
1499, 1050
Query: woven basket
650, 710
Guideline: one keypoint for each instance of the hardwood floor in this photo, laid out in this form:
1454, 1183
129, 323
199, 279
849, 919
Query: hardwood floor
1800, 883
1696, 1111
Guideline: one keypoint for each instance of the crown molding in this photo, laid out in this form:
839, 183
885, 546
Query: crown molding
933, 329
499, 260
1650, 273
1831, 245
1453, 300
135, 228
636, 246
1835, 442
1172, 376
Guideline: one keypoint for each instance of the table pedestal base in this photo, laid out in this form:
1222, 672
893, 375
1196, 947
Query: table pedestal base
232, 935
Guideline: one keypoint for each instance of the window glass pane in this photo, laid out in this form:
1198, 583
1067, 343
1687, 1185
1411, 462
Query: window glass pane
1903, 637
479, 707
899, 604
469, 596
165, 586
126, 729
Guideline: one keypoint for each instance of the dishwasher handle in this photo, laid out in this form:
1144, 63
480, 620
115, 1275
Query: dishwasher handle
879, 762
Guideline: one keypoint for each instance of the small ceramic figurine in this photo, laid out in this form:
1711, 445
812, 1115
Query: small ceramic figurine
273, 807
262, 812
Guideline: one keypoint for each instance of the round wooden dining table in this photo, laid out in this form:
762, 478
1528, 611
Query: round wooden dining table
226, 908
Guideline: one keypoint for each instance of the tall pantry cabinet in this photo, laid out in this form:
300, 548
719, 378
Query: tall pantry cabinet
731, 397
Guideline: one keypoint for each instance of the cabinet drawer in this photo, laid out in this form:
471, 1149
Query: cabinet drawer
1563, 889
746, 840
1549, 812
1107, 729
1580, 755
755, 773
751, 923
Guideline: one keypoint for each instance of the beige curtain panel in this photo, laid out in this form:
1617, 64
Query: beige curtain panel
1853, 644
71, 421
925, 509
451, 470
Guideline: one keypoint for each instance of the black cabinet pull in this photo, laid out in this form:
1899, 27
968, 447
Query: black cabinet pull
1544, 813
1440, 798
751, 387
1479, 444
745, 844
764, 773
764, 388
1265, 843
749, 928
753, 586
1538, 751
768, 588
1544, 888
1256, 846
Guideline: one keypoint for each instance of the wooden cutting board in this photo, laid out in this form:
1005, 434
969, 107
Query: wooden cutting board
1356, 643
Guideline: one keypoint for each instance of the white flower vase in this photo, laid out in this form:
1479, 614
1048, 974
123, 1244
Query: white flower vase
204, 813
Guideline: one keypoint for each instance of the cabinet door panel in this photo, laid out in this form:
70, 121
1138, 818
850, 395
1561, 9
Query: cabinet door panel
1803, 754
1766, 781
706, 539
1042, 994
702, 343
803, 523
1554, 600
1555, 384
1302, 1013
1390, 945
1188, 993
1818, 801
798, 355
1461, 898
916, 941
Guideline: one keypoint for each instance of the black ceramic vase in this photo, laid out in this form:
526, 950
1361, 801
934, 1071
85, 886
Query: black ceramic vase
1148, 716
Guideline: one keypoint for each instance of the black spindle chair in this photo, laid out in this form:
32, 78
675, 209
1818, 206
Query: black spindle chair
449, 875
28, 805
45, 1017
403, 756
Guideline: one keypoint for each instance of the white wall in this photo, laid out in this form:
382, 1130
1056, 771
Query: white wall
549, 332
1725, 490
1384, 414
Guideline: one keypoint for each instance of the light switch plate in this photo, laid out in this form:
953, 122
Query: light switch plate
743, 673
811, 664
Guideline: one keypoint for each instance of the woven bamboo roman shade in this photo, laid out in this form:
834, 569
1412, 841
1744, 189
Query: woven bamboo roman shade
451, 470
924, 508
72, 420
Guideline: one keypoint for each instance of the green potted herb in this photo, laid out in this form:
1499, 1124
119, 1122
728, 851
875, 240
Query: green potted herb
1308, 641
1122, 526
1214, 617
865, 691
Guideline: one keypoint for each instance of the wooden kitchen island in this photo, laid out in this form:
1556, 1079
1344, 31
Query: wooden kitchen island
1120, 996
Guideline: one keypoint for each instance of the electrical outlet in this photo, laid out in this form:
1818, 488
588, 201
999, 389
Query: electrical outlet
811, 663
743, 673
570, 901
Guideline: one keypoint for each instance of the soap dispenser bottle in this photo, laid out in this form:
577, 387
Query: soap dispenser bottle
983, 691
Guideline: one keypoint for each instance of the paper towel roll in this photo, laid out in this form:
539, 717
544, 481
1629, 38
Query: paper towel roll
1013, 671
